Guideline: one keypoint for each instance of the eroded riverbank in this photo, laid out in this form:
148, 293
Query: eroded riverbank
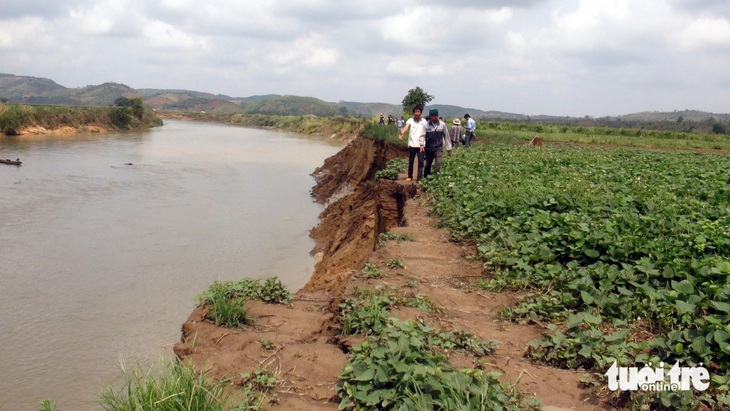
309, 350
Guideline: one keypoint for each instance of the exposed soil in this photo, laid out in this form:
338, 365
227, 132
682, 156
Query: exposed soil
39, 130
308, 352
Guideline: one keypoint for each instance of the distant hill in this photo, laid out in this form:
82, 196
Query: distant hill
33, 90
678, 116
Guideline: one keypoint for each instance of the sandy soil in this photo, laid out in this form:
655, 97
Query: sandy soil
65, 130
308, 351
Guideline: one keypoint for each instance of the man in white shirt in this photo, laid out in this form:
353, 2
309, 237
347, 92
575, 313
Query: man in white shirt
416, 141
471, 126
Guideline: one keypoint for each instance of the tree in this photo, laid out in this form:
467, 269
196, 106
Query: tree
135, 105
123, 102
415, 97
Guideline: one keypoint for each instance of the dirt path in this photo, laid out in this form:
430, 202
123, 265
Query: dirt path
308, 353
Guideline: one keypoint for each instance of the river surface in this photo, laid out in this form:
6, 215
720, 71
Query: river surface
101, 261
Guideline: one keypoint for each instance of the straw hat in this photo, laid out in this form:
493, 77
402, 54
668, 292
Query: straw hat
457, 121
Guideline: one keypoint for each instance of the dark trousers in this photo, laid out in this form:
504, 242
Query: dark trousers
412, 153
430, 157
469, 138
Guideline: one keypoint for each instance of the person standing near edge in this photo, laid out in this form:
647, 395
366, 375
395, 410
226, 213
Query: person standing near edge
471, 126
437, 135
416, 141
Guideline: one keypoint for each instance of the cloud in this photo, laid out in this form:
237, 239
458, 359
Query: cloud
411, 69
548, 56
27, 34
13, 9
705, 33
311, 50
161, 35
703, 7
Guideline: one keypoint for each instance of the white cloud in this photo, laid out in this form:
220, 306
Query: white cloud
162, 35
415, 70
549, 56
705, 32
311, 50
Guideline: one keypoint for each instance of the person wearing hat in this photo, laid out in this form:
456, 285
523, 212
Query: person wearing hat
416, 141
455, 132
471, 126
437, 136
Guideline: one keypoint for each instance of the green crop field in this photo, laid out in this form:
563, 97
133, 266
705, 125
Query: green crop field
623, 255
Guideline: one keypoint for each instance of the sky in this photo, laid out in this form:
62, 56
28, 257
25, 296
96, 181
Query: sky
553, 57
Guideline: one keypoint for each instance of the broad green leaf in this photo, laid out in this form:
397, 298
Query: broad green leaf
592, 319
618, 335
367, 375
574, 321
587, 298
721, 336
624, 291
684, 307
721, 306
592, 253
683, 287
585, 351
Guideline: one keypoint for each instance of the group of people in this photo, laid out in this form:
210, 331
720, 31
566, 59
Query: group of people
427, 138
391, 119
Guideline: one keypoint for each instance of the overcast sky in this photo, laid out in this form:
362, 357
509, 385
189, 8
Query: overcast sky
557, 57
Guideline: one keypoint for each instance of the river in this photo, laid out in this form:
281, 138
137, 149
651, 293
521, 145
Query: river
100, 259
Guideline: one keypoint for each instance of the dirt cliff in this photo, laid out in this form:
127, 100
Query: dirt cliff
308, 351
358, 210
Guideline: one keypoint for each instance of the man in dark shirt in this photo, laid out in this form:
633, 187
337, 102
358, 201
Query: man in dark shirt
437, 135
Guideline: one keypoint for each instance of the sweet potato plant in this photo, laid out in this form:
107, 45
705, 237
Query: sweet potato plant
623, 254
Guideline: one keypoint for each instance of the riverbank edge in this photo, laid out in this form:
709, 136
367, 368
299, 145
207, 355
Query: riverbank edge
18, 120
309, 351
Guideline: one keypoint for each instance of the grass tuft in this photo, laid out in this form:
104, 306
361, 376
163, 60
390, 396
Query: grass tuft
176, 387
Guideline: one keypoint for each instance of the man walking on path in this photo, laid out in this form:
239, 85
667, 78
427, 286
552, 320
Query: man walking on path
416, 141
471, 126
437, 135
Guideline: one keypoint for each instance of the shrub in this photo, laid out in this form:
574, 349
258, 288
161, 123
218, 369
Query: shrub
226, 300
176, 388
273, 291
228, 312
371, 271
402, 368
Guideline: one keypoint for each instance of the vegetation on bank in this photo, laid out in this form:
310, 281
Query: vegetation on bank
506, 132
126, 114
334, 127
179, 387
391, 170
622, 254
402, 365
225, 301
521, 133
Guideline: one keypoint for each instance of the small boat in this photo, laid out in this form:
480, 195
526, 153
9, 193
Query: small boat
15, 162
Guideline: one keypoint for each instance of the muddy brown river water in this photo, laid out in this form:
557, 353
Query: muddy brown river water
101, 260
